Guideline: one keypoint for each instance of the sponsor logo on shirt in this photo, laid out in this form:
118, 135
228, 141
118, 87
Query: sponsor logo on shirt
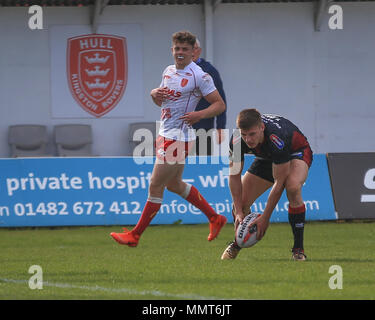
277, 141
173, 94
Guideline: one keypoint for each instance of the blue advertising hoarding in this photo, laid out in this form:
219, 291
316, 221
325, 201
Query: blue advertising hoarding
113, 191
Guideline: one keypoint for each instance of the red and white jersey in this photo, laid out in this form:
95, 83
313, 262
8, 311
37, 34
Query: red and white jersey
185, 88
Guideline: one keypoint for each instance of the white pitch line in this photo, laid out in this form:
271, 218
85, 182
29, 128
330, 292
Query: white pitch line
119, 290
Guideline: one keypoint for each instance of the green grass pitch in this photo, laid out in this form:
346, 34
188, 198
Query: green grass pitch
177, 262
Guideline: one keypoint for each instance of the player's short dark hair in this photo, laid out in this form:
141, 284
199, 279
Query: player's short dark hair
184, 36
248, 118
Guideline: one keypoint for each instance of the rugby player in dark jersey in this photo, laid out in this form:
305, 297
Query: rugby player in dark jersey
282, 159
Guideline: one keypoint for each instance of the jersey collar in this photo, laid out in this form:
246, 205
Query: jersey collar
189, 66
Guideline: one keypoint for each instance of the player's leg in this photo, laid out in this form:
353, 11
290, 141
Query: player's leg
253, 187
255, 182
192, 195
296, 211
160, 177
166, 167
176, 184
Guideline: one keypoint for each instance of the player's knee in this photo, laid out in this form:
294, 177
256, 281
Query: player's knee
171, 188
176, 187
155, 188
293, 190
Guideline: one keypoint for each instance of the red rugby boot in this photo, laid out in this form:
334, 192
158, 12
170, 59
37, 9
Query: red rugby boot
127, 237
215, 226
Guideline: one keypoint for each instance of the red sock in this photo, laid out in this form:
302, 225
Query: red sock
149, 212
195, 198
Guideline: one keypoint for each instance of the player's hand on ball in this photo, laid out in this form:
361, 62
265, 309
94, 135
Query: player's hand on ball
239, 218
262, 224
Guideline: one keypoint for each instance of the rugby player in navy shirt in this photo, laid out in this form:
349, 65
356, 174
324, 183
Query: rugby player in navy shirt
282, 159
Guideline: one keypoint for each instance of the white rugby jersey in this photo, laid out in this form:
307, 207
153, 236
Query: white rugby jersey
185, 88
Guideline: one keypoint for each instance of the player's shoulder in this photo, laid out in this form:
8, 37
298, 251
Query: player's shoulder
200, 75
170, 69
276, 131
194, 68
275, 123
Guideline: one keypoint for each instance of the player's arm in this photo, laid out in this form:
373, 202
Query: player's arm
216, 107
158, 95
280, 173
236, 163
235, 187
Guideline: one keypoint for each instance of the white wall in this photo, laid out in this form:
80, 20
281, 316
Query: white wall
271, 57
268, 55
25, 66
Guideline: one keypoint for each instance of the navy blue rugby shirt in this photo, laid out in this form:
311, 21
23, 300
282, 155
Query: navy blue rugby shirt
282, 139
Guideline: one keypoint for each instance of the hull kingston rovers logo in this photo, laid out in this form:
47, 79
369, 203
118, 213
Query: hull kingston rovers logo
97, 71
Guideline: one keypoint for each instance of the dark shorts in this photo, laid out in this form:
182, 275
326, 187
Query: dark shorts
263, 168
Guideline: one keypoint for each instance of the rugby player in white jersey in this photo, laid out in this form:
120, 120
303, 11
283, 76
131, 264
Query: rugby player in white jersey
183, 85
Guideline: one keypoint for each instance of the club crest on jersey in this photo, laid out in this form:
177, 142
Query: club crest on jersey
277, 141
97, 71
184, 82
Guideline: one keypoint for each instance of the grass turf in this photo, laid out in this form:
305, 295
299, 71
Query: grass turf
177, 262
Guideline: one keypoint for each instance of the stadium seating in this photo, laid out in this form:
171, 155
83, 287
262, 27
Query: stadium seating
28, 140
73, 140
141, 137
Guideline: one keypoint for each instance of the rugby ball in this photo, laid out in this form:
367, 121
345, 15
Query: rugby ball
246, 236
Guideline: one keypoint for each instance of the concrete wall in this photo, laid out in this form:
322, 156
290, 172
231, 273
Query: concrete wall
269, 56
323, 81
